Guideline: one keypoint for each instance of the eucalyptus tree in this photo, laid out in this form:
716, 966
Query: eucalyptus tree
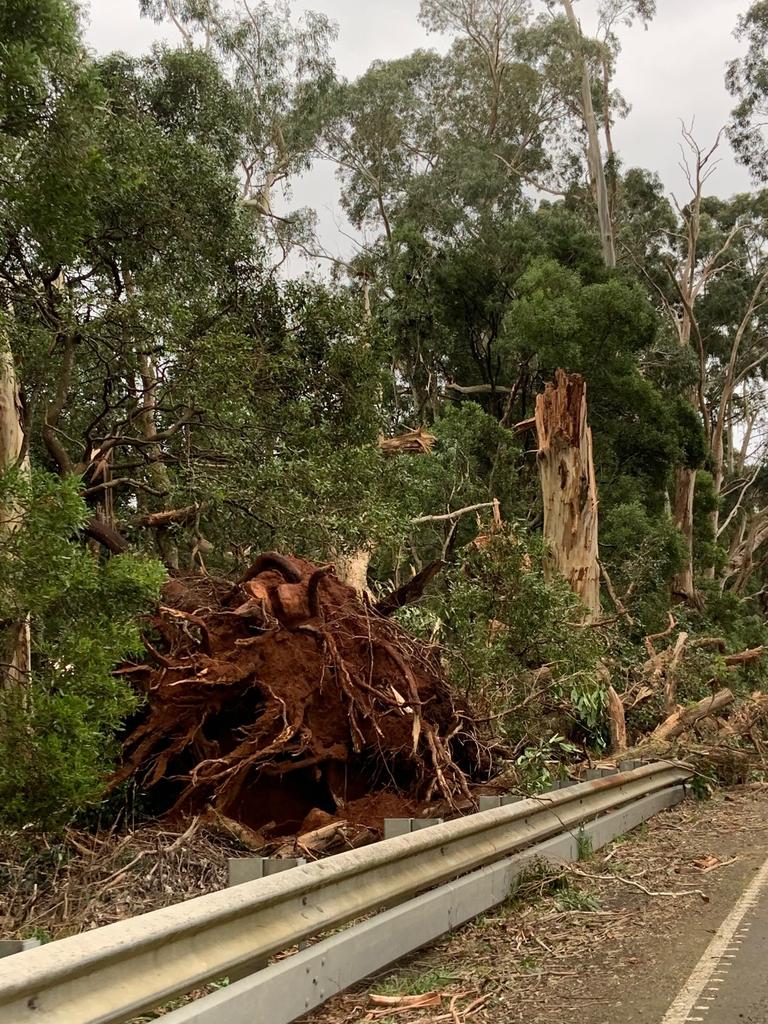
45, 92
704, 262
282, 74
747, 80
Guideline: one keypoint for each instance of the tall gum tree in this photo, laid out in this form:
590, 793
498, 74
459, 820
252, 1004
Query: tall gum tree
38, 62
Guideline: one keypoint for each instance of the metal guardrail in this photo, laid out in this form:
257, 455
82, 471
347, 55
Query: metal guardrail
113, 973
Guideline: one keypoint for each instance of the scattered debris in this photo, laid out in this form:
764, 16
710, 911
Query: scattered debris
571, 948
710, 863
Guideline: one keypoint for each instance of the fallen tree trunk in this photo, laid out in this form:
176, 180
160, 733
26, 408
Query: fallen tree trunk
568, 486
744, 657
679, 722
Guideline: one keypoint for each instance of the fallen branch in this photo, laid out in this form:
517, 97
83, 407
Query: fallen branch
448, 516
639, 885
478, 389
524, 425
618, 604
102, 532
649, 646
744, 657
153, 520
411, 590
682, 720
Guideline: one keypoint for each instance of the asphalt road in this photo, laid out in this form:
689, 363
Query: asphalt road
729, 985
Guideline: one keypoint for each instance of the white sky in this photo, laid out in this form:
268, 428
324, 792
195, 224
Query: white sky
673, 71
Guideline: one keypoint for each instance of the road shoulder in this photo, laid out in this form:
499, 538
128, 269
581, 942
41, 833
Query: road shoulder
614, 939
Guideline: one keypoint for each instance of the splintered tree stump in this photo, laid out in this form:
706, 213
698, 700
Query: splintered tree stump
569, 490
617, 722
285, 695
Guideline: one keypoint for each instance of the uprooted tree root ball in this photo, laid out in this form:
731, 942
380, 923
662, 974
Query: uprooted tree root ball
284, 695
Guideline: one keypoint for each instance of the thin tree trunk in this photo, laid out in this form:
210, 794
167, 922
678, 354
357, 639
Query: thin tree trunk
15, 642
568, 486
156, 468
594, 154
682, 513
352, 569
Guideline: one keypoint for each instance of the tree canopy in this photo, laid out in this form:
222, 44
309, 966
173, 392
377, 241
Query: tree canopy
184, 403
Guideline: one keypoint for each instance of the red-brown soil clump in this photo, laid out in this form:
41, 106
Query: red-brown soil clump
283, 695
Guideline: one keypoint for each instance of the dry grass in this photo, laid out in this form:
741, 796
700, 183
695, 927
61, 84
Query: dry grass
52, 888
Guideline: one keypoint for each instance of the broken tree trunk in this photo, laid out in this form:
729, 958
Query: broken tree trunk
418, 442
744, 657
685, 718
569, 491
617, 722
15, 646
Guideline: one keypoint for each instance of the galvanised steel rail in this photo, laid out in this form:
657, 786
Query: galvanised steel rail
113, 973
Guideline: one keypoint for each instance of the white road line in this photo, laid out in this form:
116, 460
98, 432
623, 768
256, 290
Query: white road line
711, 962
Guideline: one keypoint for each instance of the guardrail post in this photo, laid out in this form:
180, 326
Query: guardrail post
249, 869
10, 946
489, 803
404, 826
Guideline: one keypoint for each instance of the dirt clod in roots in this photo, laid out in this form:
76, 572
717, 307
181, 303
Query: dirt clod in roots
284, 698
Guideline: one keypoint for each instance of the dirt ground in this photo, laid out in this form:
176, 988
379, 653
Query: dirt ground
611, 939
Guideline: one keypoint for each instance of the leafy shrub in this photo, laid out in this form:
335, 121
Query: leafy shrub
57, 734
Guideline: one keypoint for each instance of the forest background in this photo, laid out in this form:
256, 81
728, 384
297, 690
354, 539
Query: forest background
173, 400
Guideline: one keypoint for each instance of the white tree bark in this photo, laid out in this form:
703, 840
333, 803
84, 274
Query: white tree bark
594, 152
15, 646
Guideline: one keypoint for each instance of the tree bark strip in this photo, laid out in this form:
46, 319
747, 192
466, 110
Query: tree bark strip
15, 639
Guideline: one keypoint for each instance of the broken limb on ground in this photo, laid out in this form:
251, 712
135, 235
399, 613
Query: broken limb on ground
283, 703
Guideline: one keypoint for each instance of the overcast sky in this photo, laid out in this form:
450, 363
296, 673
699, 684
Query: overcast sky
672, 71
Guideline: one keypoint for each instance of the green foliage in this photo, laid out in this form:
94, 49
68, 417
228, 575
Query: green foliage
747, 80
57, 735
642, 551
500, 620
535, 763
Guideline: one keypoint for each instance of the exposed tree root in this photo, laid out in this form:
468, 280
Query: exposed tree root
285, 694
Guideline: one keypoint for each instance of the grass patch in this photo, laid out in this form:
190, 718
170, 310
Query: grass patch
415, 983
